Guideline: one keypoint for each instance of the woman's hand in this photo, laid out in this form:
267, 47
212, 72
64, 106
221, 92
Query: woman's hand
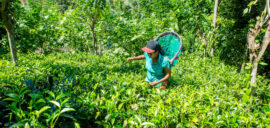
153, 83
135, 58
129, 59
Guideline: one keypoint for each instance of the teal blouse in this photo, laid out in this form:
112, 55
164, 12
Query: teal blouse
155, 71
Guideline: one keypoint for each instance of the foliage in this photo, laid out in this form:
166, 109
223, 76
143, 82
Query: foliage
233, 34
105, 91
68, 86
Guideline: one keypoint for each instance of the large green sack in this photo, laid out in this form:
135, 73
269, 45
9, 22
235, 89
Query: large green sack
171, 43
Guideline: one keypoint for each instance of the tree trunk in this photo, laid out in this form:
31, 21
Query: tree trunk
93, 34
214, 25
9, 28
192, 42
254, 72
253, 82
12, 46
256, 60
266, 41
254, 46
215, 13
212, 49
100, 49
203, 40
244, 59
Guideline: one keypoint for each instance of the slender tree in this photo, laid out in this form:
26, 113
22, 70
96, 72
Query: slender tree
215, 13
203, 40
91, 11
214, 26
8, 23
244, 59
255, 55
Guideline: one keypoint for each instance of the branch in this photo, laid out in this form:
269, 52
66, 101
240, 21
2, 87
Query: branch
267, 12
215, 13
268, 6
266, 41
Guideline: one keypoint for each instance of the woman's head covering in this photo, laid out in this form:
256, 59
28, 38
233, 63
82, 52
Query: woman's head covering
152, 46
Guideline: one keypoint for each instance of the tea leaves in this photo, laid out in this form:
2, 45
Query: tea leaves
105, 91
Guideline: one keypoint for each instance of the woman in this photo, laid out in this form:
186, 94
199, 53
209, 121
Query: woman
157, 66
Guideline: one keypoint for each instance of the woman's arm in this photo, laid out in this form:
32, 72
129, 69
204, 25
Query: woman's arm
136, 58
166, 77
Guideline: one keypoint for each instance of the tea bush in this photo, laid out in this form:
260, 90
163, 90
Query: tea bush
84, 90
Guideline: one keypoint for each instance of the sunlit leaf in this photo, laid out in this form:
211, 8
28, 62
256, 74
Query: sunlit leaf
108, 117
41, 101
263, 63
67, 110
13, 95
147, 124
66, 100
51, 94
245, 11
43, 109
77, 125
26, 125
138, 118
55, 103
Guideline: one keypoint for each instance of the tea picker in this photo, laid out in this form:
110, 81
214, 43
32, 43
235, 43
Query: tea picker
161, 55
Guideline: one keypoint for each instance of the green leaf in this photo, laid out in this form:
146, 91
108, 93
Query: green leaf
41, 125
148, 124
67, 110
26, 125
263, 63
13, 95
66, 100
138, 118
41, 101
117, 126
43, 109
98, 113
24, 92
13, 107
209, 123
51, 94
10, 99
55, 114
60, 96
120, 106
251, 3
131, 122
125, 123
18, 125
68, 116
99, 122
107, 117
112, 120
47, 115
77, 125
245, 11
55, 103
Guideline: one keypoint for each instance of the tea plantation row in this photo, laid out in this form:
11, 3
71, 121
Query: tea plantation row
83, 90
